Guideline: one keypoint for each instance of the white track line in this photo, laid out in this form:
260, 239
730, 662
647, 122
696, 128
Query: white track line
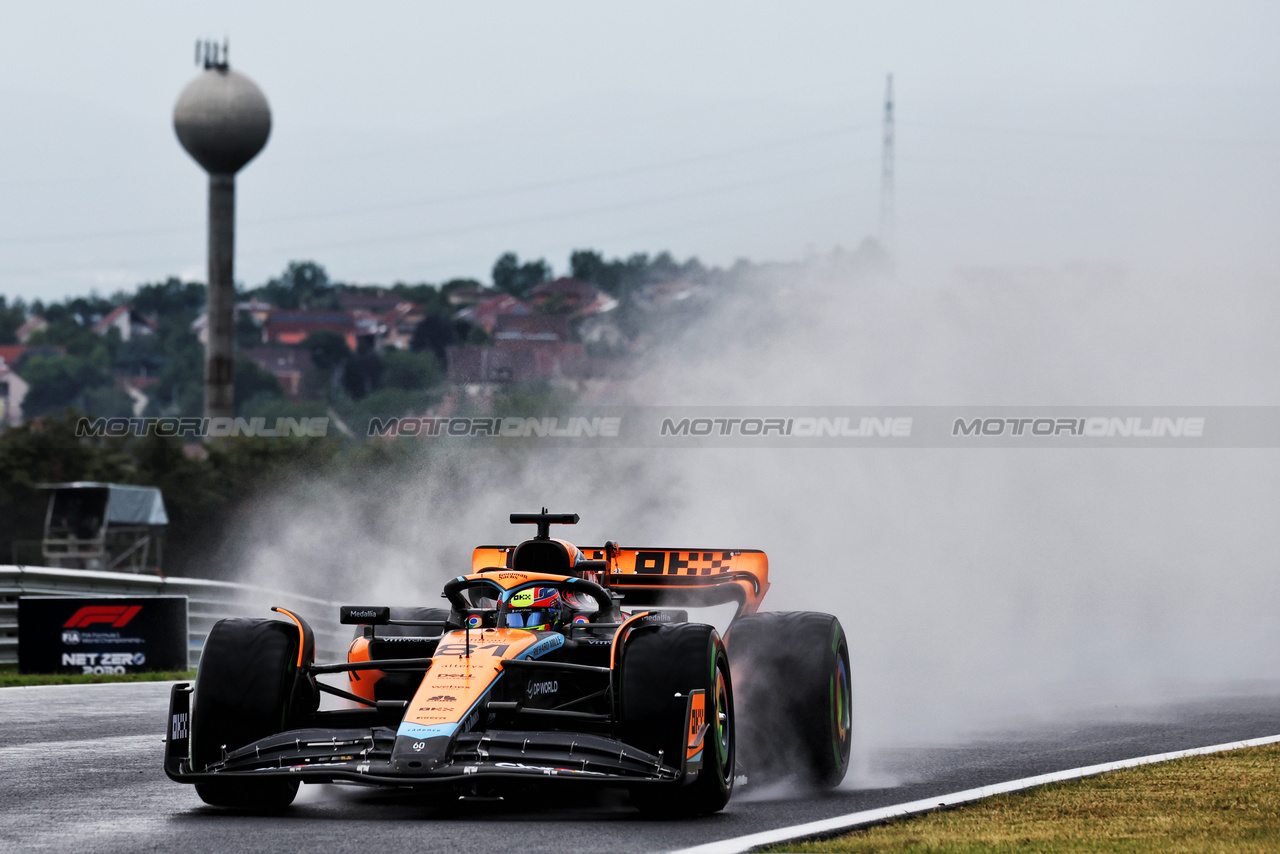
858, 819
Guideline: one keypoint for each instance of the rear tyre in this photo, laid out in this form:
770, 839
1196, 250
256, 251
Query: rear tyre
658, 664
794, 696
248, 686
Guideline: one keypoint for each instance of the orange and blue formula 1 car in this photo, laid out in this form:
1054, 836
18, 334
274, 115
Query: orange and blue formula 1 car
551, 666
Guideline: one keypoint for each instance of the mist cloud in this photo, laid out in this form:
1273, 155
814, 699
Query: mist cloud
976, 586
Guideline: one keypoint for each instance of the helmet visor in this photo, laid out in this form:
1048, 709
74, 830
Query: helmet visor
528, 619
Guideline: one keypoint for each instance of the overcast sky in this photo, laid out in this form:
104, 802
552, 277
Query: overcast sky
416, 142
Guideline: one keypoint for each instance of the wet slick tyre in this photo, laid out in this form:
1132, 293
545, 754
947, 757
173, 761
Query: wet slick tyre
794, 693
248, 686
660, 667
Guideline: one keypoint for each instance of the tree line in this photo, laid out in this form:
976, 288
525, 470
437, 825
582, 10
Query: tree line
352, 382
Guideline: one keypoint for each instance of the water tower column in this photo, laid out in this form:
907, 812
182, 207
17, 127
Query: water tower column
219, 361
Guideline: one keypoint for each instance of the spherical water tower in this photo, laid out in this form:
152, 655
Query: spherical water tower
223, 121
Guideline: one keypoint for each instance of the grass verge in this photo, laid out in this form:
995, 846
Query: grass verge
1223, 802
11, 678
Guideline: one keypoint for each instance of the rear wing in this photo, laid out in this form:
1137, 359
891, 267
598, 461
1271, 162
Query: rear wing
664, 576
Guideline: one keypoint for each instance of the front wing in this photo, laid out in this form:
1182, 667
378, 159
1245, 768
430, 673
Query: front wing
327, 755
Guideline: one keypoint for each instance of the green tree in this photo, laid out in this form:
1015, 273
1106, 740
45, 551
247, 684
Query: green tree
180, 390
195, 499
12, 316
435, 334
428, 297
619, 277
664, 267
170, 297
140, 356
362, 375
84, 311
67, 332
247, 331
328, 350
410, 371
512, 277
590, 266
108, 401
303, 284
253, 382
58, 382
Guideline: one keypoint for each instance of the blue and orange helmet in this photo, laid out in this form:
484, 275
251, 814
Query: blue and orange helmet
535, 609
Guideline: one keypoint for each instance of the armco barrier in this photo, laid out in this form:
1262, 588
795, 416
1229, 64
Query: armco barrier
207, 602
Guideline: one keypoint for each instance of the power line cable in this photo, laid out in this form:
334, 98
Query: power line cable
481, 226
448, 199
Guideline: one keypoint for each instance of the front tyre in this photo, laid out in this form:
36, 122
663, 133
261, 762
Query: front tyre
660, 667
248, 686
256, 795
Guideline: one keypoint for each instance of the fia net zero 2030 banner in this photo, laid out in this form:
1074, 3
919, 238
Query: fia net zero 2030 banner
127, 634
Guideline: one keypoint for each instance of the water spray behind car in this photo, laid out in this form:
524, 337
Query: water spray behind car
976, 586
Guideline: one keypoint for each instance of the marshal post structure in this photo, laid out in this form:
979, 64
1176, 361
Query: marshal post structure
223, 121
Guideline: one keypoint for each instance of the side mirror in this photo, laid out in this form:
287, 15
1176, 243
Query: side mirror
355, 615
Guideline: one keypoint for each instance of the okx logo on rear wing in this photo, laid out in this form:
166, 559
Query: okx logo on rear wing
680, 576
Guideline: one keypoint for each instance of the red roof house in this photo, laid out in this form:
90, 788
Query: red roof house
293, 326
486, 314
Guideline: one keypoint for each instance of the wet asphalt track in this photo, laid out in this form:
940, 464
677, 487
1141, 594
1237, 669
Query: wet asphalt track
80, 771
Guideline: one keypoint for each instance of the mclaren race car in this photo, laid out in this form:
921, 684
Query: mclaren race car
553, 665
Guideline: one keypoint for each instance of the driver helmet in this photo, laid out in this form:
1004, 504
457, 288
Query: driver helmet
535, 609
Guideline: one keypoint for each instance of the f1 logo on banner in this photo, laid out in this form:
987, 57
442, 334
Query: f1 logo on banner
102, 635
117, 616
